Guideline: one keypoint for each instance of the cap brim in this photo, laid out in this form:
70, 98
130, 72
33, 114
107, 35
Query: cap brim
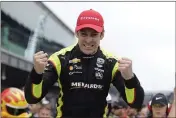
95, 27
159, 104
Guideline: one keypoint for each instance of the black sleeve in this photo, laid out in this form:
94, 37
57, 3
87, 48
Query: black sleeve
119, 82
49, 77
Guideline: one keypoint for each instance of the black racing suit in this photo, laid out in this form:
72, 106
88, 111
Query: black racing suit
84, 82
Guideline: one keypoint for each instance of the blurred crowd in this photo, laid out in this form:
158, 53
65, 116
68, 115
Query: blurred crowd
122, 110
13, 104
42, 109
158, 107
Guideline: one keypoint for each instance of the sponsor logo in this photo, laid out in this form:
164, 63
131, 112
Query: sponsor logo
100, 62
99, 70
85, 85
75, 60
99, 75
75, 72
71, 68
75, 67
89, 17
158, 98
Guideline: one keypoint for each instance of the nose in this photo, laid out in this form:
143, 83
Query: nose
88, 39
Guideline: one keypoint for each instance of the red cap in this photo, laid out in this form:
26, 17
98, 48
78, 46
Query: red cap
90, 19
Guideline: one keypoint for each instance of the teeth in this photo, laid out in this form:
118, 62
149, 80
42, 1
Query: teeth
88, 46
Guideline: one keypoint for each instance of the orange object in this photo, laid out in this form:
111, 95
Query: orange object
13, 103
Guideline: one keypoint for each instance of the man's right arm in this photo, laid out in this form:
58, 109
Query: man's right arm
37, 85
172, 113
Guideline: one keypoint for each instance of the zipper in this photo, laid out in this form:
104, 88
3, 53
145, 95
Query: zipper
86, 71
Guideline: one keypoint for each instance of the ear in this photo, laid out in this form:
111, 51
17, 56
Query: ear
76, 34
102, 35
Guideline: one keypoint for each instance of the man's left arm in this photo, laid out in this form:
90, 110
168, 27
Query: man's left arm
127, 83
172, 113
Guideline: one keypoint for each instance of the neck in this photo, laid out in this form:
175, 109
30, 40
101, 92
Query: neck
159, 117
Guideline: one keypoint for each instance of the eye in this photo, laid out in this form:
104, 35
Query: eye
94, 34
83, 34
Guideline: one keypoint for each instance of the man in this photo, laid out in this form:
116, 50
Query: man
84, 73
159, 106
143, 112
34, 109
172, 113
119, 109
132, 112
45, 111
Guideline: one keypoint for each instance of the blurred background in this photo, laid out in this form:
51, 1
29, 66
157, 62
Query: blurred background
142, 31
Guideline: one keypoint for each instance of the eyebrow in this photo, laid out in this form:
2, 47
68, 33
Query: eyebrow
84, 31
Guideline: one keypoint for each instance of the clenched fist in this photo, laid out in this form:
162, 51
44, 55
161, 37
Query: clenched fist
40, 61
125, 67
175, 93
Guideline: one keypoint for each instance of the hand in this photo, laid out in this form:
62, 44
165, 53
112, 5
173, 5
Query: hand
174, 94
173, 108
40, 61
125, 67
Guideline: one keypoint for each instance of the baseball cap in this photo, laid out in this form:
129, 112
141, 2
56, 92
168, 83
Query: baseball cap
90, 19
159, 100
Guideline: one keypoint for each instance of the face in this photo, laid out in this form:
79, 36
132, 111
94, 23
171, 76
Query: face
119, 112
34, 108
45, 113
143, 112
131, 112
89, 40
159, 111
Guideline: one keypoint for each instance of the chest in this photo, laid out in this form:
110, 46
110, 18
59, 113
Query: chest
87, 73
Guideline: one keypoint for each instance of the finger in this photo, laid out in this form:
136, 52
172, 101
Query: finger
124, 62
40, 52
43, 64
43, 60
40, 61
124, 65
41, 56
125, 58
121, 68
46, 54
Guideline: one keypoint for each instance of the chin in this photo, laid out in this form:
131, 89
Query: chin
88, 52
158, 115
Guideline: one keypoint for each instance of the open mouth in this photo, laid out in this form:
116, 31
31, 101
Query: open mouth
88, 46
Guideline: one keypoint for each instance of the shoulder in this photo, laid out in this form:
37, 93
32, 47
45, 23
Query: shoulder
61, 52
109, 55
